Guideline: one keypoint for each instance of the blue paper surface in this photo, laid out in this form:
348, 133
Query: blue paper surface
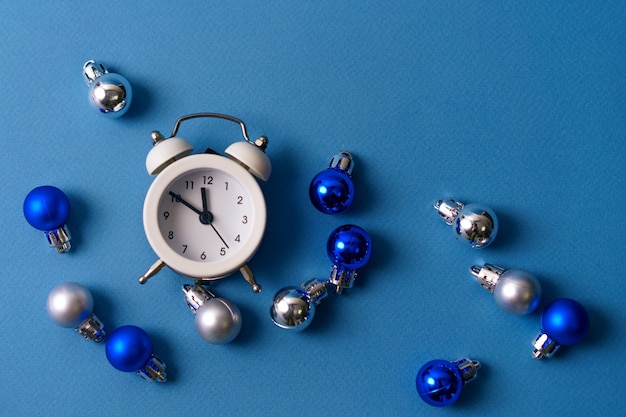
517, 105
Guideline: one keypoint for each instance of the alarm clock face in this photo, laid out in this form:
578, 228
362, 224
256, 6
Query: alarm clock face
204, 216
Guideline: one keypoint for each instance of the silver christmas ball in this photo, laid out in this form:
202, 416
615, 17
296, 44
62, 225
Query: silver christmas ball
218, 321
110, 96
292, 309
69, 304
109, 93
476, 224
517, 292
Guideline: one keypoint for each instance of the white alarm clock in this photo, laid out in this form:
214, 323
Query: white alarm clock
205, 215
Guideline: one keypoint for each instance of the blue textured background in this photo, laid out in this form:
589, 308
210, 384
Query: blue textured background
519, 105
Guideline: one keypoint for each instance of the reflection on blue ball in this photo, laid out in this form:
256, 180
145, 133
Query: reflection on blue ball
349, 247
566, 321
128, 348
331, 191
439, 383
46, 208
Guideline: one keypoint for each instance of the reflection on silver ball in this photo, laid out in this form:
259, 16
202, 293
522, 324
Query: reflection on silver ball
476, 224
517, 292
69, 304
110, 94
218, 321
292, 309
109, 97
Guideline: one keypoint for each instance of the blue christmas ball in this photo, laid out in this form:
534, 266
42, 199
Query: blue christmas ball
46, 208
439, 383
331, 191
349, 247
128, 348
566, 321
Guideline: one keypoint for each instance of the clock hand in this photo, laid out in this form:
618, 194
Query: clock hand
179, 199
205, 201
207, 218
220, 236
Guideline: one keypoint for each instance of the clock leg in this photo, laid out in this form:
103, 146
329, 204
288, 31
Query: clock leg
152, 271
249, 277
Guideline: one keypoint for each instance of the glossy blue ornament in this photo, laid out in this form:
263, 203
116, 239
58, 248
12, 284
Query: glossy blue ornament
47, 208
349, 248
332, 190
439, 382
564, 322
129, 349
109, 93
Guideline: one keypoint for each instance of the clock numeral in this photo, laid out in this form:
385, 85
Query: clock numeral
207, 180
170, 235
244, 220
203, 256
226, 182
185, 248
188, 185
238, 238
239, 200
166, 215
222, 251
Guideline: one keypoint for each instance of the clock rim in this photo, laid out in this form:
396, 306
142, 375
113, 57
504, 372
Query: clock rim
197, 270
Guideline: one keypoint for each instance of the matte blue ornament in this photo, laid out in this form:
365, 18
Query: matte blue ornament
129, 349
109, 93
332, 190
564, 322
440, 382
47, 208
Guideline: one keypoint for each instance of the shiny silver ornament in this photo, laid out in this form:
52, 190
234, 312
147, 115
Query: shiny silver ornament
475, 224
217, 320
515, 291
294, 308
71, 305
109, 93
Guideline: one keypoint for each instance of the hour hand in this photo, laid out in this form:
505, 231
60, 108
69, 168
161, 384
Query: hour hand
206, 217
179, 199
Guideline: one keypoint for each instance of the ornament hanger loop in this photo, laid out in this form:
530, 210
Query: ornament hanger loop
216, 116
